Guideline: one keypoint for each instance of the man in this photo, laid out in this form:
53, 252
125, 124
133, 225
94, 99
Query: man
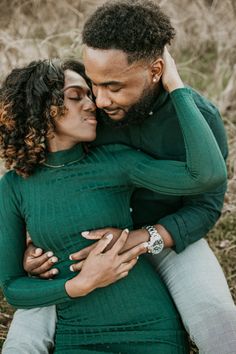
124, 43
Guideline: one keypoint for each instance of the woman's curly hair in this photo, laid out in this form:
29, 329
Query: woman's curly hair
30, 97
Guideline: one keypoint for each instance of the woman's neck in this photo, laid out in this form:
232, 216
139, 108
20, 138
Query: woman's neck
55, 144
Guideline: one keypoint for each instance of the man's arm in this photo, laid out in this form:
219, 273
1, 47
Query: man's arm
199, 213
197, 216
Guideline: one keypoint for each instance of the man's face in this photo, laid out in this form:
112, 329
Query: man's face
117, 85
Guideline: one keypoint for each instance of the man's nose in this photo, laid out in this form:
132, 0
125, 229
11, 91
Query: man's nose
102, 98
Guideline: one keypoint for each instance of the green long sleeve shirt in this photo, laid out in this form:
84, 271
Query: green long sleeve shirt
187, 218
56, 204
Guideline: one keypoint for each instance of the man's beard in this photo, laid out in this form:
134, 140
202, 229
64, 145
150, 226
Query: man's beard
137, 113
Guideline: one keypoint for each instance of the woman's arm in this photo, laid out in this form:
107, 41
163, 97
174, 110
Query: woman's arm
204, 168
22, 291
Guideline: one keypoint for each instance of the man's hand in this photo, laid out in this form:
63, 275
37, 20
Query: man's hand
38, 263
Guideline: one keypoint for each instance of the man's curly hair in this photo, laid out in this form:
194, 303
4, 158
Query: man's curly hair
30, 98
137, 27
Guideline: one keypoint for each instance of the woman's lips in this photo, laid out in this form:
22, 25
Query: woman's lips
91, 120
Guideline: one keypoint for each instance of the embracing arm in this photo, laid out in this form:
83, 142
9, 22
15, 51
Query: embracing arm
22, 291
199, 213
204, 168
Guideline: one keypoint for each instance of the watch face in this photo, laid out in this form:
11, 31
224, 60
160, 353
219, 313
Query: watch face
157, 246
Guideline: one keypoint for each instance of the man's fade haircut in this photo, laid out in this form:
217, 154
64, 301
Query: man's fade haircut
137, 27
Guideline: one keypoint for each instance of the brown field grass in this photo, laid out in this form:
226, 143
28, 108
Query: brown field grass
205, 50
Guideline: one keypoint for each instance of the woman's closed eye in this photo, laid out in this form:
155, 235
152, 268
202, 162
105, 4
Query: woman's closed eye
75, 98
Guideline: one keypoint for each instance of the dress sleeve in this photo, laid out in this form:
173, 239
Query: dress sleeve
20, 290
199, 213
204, 168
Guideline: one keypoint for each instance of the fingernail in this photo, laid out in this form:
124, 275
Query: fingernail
137, 257
109, 236
127, 230
145, 244
38, 251
71, 268
54, 259
49, 254
54, 271
70, 257
85, 233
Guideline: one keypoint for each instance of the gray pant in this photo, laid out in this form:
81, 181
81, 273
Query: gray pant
197, 285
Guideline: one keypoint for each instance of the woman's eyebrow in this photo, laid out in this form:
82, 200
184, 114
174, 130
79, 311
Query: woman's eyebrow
76, 86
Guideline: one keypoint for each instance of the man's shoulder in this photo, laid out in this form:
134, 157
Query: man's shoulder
165, 111
207, 108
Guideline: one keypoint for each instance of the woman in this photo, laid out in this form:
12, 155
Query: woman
55, 190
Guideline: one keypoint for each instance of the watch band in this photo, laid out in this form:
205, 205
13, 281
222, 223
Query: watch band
156, 244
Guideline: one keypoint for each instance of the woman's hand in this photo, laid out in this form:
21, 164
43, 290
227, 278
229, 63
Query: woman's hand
101, 268
170, 77
95, 235
40, 264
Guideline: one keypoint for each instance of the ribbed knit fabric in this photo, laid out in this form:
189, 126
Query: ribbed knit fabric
90, 192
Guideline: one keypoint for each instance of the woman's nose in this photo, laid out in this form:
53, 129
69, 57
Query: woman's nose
89, 105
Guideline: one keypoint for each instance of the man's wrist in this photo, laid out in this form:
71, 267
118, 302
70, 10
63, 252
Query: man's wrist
155, 244
166, 236
141, 235
136, 237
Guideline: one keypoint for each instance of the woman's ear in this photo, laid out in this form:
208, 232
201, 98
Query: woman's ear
53, 111
157, 69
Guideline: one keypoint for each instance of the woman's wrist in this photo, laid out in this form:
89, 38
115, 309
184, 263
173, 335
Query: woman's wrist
176, 84
77, 286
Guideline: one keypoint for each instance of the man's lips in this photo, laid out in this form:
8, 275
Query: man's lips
111, 112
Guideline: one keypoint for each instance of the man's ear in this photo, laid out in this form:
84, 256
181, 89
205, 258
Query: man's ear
157, 69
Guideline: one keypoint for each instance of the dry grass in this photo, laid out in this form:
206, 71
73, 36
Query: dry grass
205, 50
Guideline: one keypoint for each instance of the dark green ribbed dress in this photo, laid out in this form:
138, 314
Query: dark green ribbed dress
136, 314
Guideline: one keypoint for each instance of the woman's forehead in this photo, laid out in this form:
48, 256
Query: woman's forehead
73, 79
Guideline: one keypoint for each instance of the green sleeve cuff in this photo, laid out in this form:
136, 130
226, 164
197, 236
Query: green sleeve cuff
180, 92
177, 230
28, 292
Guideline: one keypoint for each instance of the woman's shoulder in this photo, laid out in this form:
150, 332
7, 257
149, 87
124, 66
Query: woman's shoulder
9, 180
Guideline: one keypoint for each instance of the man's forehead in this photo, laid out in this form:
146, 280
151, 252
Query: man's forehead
110, 63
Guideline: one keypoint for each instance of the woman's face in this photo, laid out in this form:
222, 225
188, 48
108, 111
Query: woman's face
78, 124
